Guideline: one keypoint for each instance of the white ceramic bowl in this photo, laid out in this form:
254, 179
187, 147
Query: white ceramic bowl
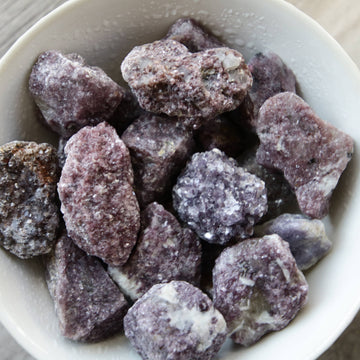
103, 31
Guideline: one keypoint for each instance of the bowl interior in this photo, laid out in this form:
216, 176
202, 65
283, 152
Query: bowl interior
103, 31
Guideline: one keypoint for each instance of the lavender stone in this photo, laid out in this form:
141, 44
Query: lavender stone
88, 304
270, 77
100, 209
159, 148
258, 287
165, 251
167, 78
279, 194
218, 199
175, 321
71, 94
311, 153
190, 33
29, 215
307, 238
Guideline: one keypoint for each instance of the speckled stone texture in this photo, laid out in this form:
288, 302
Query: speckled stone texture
307, 237
88, 304
279, 194
193, 35
311, 153
100, 209
258, 287
159, 148
165, 251
29, 214
270, 77
218, 199
167, 78
71, 94
175, 321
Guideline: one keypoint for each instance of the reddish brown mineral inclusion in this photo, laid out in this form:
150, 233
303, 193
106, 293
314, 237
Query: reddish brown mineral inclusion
29, 215
100, 209
311, 153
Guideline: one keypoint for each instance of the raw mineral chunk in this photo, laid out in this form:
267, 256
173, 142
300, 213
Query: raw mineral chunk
191, 34
175, 321
258, 287
159, 148
311, 153
88, 304
167, 78
165, 251
71, 94
279, 194
29, 215
100, 209
218, 199
270, 76
224, 135
307, 238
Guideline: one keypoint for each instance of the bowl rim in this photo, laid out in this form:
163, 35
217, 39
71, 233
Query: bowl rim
8, 321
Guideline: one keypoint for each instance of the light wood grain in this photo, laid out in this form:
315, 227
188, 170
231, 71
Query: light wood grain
341, 18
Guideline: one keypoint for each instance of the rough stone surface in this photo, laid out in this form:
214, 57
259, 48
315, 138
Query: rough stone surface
279, 194
100, 209
190, 33
167, 78
258, 287
71, 94
307, 238
88, 304
159, 148
270, 77
164, 251
29, 214
311, 153
175, 321
217, 199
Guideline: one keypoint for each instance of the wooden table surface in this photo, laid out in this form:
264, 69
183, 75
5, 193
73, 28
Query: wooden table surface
341, 18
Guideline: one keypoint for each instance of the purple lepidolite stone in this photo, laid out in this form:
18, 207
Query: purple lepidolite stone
270, 77
306, 237
100, 209
88, 304
70, 94
190, 33
258, 287
218, 199
175, 321
311, 153
29, 213
167, 78
159, 148
165, 251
